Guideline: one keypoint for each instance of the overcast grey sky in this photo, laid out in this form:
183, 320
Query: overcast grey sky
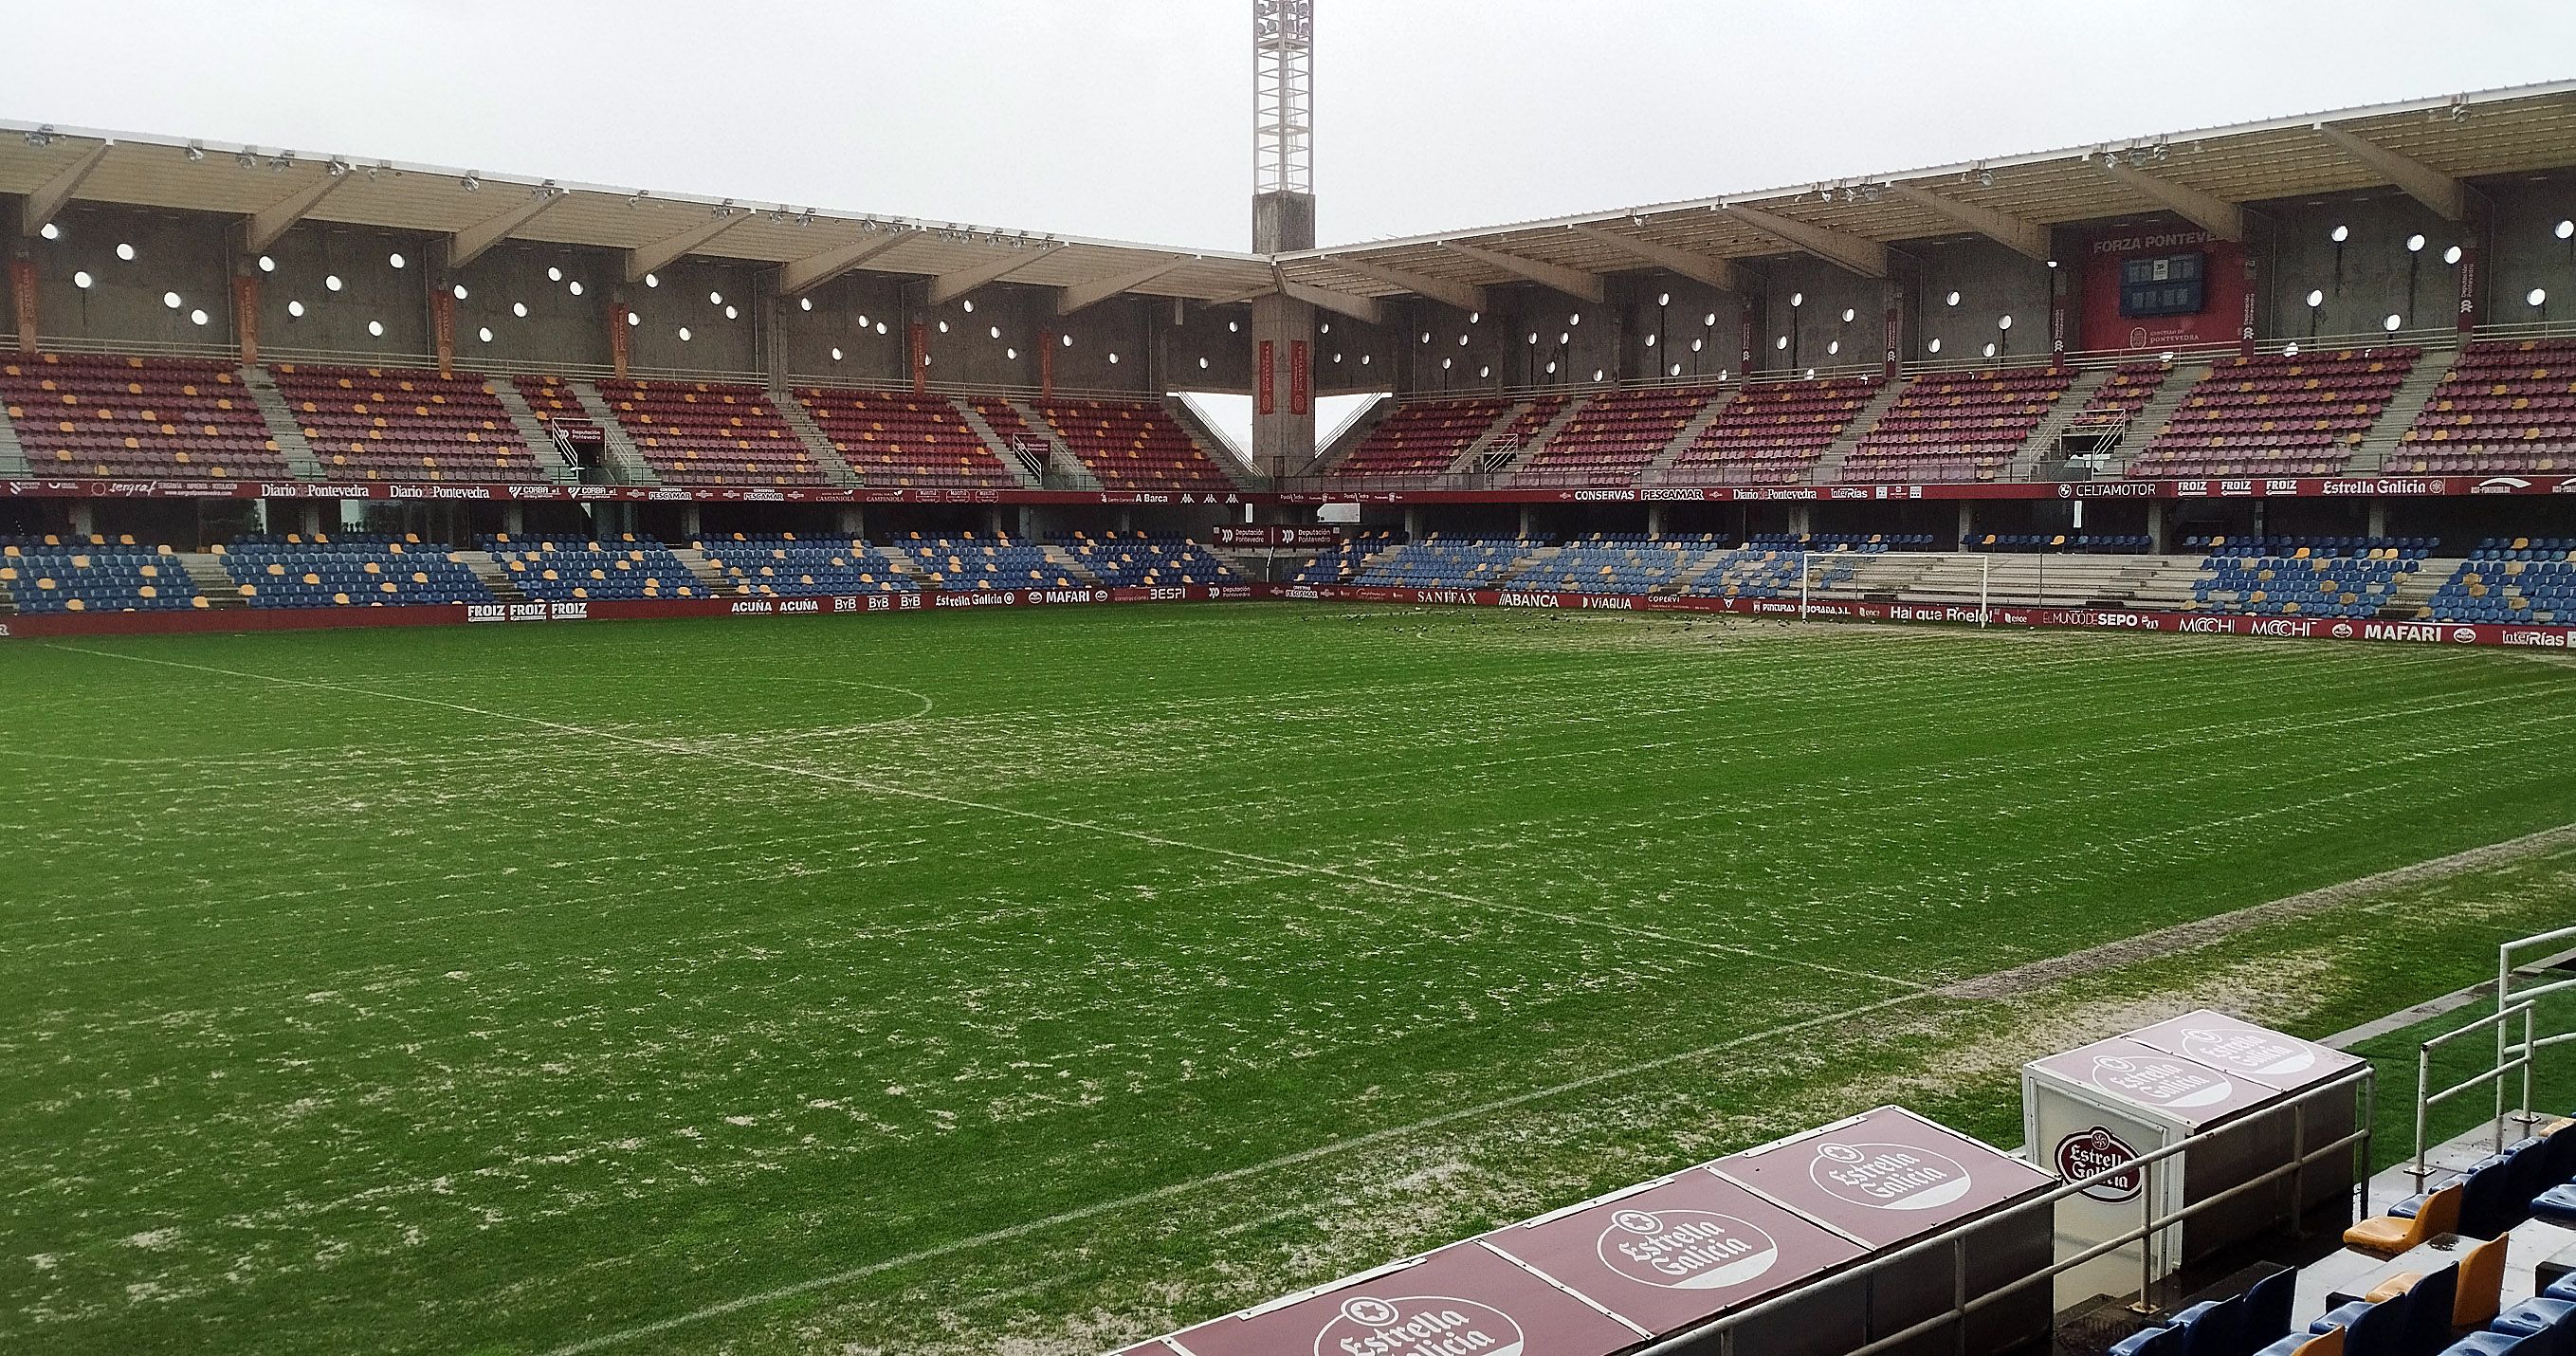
1130, 118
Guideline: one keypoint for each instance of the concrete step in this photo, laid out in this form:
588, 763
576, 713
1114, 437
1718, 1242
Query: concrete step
626, 462
1537, 439
282, 423
704, 567
1829, 467
13, 454
2151, 418
1688, 436
206, 570
818, 444
532, 431
493, 576
1030, 476
1474, 452
1073, 569
1063, 470
2388, 432
2042, 442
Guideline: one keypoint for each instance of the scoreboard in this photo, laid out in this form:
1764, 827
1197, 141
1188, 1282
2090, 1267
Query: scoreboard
2168, 284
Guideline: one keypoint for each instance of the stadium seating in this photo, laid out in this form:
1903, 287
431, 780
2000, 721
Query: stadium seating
1420, 438
1774, 568
1616, 564
94, 574
1612, 438
785, 565
969, 563
2074, 543
710, 433
292, 571
2510, 579
560, 571
1343, 563
1141, 560
2277, 415
112, 417
2502, 408
1957, 426
1134, 445
2334, 577
905, 440
1774, 432
1451, 562
2127, 391
372, 423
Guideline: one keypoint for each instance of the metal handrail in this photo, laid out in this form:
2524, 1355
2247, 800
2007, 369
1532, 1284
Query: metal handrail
1955, 1238
2426, 1100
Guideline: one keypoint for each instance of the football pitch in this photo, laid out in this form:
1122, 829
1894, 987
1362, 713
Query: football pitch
1036, 981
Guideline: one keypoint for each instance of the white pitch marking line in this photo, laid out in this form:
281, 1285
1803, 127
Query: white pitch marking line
1080, 826
1008, 1233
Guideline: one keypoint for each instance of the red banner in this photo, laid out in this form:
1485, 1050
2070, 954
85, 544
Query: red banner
1267, 401
22, 292
1046, 364
920, 346
2225, 299
627, 494
246, 314
619, 345
2090, 619
456, 614
442, 329
1301, 377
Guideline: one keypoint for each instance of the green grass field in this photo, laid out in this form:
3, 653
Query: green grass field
1036, 981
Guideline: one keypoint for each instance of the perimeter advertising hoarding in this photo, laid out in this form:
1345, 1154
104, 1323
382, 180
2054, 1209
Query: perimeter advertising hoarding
2217, 1083
1675, 1253
1888, 1177
1463, 1298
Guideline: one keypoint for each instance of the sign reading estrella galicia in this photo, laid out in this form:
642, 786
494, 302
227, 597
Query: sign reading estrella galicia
1889, 1176
1371, 1326
1686, 1249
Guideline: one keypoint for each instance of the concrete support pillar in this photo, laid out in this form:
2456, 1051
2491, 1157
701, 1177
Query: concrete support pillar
1283, 399
514, 520
1801, 519
1528, 518
84, 517
691, 522
2378, 518
2159, 527
993, 521
1413, 524
311, 519
1654, 520
853, 522
1126, 520
1967, 522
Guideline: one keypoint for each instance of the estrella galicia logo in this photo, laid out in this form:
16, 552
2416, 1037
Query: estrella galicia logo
2087, 1152
1686, 1249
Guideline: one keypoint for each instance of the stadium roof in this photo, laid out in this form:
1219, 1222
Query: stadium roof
2424, 147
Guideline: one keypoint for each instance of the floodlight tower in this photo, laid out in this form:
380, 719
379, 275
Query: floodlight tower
1283, 126
1283, 222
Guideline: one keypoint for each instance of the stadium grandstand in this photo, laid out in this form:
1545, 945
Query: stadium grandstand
602, 769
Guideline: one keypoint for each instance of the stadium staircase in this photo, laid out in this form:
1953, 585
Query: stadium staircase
2413, 394
282, 425
532, 431
623, 456
1029, 477
2025, 578
1829, 467
2415, 591
13, 454
706, 569
1688, 435
1220, 449
1473, 454
2041, 445
1352, 434
1502, 461
818, 445
1073, 569
1062, 466
489, 571
214, 584
2153, 416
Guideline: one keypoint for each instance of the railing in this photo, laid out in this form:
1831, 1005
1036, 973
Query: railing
2426, 1099
2506, 993
1955, 1238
